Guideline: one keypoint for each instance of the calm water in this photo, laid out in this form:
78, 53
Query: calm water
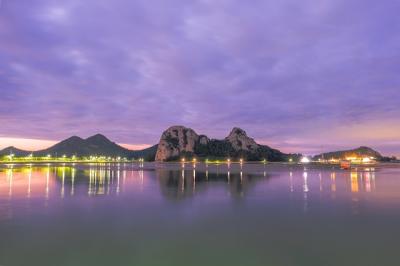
261, 215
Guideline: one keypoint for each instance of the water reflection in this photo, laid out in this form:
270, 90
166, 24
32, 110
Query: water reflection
333, 182
186, 183
113, 179
354, 181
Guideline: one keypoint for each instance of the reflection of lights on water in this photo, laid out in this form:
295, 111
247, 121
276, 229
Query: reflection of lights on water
141, 175
305, 182
29, 182
373, 180
354, 181
320, 181
99, 180
118, 177
194, 180
333, 182
108, 176
102, 176
367, 182
305, 190
47, 182
10, 180
124, 177
73, 181
63, 182
90, 181
183, 180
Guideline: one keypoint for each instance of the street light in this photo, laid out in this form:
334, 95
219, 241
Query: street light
305, 160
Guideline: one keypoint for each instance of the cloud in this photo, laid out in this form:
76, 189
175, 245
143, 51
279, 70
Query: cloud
282, 70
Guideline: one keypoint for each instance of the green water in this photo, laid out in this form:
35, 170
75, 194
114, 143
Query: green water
168, 215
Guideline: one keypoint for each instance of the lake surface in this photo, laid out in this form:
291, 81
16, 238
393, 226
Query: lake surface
131, 214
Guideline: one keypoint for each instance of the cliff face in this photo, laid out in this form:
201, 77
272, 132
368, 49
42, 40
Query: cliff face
176, 140
240, 141
181, 141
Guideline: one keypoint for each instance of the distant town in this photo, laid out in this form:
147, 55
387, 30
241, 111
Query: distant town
184, 145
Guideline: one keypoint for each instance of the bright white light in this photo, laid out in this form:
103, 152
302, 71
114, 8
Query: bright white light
305, 160
366, 160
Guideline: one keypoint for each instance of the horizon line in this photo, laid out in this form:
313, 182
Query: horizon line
35, 145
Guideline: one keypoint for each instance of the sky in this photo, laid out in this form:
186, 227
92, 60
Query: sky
301, 76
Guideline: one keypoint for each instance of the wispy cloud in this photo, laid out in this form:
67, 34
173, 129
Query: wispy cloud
282, 70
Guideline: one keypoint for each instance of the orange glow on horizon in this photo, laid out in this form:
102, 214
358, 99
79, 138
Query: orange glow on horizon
135, 146
26, 144
39, 144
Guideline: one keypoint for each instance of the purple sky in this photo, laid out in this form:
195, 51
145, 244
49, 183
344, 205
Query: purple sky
302, 76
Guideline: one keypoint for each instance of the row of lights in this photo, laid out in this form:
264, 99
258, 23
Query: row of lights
351, 159
228, 161
30, 156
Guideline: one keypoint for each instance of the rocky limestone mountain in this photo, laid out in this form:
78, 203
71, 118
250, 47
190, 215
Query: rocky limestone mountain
179, 141
240, 141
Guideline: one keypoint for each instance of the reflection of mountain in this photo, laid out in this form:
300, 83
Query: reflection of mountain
52, 182
185, 183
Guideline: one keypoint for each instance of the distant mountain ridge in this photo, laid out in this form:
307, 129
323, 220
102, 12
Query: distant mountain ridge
362, 151
97, 145
179, 141
13, 150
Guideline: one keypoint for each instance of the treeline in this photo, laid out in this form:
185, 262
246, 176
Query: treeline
224, 149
